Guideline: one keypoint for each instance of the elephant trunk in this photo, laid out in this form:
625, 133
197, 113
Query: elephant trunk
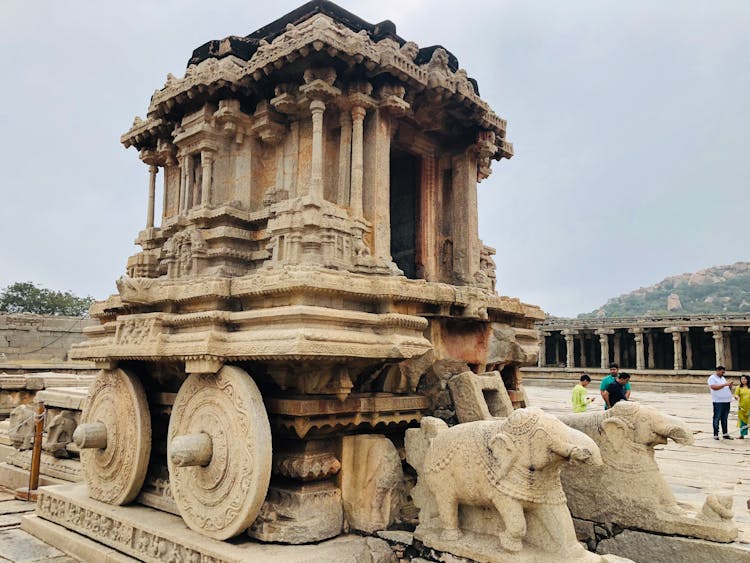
676, 430
580, 448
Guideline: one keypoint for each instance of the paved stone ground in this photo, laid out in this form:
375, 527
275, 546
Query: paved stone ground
15, 544
692, 471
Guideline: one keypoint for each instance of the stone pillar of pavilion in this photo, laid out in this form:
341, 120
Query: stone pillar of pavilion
582, 351
570, 335
617, 337
688, 351
319, 89
676, 333
651, 361
718, 334
728, 363
604, 343
557, 351
543, 348
640, 359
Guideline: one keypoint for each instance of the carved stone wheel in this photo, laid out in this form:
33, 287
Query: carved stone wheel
219, 452
115, 473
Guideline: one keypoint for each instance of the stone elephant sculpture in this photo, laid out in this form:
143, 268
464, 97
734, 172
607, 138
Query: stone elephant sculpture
629, 489
510, 465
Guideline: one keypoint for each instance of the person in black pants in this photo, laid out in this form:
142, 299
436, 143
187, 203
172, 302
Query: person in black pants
721, 397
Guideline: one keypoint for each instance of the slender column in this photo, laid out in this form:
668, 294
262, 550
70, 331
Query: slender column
677, 343
543, 349
651, 356
345, 155
358, 119
465, 228
427, 247
728, 350
207, 162
718, 334
582, 345
640, 360
604, 343
688, 351
184, 185
557, 351
570, 348
618, 349
152, 171
168, 171
317, 107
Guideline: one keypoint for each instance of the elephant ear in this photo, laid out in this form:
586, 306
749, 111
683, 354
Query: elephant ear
616, 431
503, 452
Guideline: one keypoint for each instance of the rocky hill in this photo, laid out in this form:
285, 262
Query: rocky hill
721, 289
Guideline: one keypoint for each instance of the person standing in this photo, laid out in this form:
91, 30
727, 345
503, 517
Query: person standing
742, 394
721, 397
614, 369
580, 400
615, 392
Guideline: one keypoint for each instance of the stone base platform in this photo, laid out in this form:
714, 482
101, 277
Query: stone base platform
93, 531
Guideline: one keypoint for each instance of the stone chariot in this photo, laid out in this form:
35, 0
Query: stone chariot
317, 254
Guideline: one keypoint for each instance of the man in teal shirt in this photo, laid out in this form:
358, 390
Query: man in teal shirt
611, 378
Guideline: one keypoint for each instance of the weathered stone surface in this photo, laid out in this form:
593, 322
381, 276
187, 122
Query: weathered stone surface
49, 465
299, 514
19, 546
626, 436
479, 397
21, 427
154, 536
642, 546
371, 479
505, 477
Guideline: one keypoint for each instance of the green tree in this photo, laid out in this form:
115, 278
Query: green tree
25, 297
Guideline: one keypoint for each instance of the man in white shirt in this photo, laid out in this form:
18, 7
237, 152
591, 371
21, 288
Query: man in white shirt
721, 396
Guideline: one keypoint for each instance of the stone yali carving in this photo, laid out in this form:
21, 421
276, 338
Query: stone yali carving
21, 431
60, 433
490, 490
629, 489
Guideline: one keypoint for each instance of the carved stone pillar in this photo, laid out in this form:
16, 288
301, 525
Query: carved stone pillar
728, 350
427, 245
345, 153
582, 350
377, 187
207, 162
557, 351
651, 356
358, 119
604, 343
168, 171
688, 351
153, 170
466, 249
718, 334
184, 184
543, 349
570, 347
640, 360
677, 343
616, 337
317, 107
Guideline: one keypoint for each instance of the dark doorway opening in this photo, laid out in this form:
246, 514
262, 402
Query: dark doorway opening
403, 209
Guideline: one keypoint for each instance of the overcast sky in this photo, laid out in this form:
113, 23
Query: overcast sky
630, 123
